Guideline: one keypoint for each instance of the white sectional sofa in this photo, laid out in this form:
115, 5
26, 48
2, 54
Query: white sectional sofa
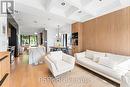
109, 65
59, 62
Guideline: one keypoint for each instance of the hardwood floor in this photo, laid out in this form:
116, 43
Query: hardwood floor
25, 75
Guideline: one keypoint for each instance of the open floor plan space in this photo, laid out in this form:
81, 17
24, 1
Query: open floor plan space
64, 43
24, 75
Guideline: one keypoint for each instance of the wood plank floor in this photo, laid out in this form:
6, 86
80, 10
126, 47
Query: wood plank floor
25, 75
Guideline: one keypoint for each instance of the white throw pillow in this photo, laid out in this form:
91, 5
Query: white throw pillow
80, 55
97, 56
89, 55
106, 61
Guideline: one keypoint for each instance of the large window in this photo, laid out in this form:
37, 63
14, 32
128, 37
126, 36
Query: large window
29, 40
33, 40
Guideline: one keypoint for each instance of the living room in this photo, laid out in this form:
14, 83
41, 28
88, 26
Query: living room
65, 43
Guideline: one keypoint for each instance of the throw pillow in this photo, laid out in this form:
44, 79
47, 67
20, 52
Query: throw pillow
106, 61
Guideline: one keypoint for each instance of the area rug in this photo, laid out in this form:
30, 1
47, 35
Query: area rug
79, 77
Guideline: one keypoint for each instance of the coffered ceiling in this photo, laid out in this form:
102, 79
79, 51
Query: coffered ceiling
36, 14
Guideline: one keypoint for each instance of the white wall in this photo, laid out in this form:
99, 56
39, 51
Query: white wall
66, 29
3, 37
51, 37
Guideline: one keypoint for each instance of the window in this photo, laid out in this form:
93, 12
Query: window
29, 40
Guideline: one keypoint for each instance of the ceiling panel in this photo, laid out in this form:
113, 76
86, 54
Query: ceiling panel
78, 15
70, 11
85, 2
60, 7
97, 5
109, 7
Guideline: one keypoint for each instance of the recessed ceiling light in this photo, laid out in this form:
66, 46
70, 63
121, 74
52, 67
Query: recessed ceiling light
63, 3
79, 11
100, 0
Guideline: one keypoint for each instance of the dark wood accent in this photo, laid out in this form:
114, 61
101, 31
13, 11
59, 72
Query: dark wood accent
14, 30
4, 78
3, 57
41, 38
77, 29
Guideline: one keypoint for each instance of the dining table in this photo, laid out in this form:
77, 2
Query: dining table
58, 48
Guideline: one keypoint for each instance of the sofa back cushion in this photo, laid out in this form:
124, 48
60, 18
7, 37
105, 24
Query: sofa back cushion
106, 61
117, 58
94, 55
56, 55
89, 54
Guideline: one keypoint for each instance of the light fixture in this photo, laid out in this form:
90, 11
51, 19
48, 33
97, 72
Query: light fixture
35, 33
63, 3
58, 32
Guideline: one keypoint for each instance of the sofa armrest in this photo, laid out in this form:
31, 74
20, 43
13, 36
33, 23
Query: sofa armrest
79, 55
69, 59
50, 64
125, 80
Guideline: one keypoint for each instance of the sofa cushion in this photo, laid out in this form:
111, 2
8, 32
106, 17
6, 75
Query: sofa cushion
117, 58
106, 61
89, 54
94, 55
97, 56
56, 55
63, 66
124, 65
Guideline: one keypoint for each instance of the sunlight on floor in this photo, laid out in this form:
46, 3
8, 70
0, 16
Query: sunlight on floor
25, 59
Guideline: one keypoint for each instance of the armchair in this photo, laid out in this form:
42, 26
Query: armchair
59, 62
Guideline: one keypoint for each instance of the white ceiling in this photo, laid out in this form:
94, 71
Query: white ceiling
36, 14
